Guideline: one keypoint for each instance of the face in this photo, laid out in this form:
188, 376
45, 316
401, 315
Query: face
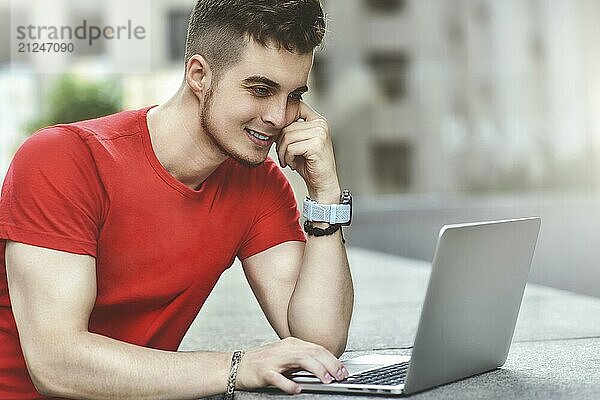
254, 100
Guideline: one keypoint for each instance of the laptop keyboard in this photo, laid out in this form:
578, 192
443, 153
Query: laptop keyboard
393, 374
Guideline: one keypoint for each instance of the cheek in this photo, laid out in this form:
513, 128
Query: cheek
245, 111
233, 114
227, 108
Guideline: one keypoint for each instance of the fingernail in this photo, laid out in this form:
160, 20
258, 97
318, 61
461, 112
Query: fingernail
340, 374
298, 389
346, 373
328, 378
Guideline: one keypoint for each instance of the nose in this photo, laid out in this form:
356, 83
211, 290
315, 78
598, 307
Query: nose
276, 113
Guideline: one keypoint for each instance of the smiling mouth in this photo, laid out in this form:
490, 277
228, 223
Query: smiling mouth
258, 135
260, 139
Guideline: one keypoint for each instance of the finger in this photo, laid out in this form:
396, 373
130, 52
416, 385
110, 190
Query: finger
318, 360
302, 125
281, 382
299, 130
307, 113
334, 367
294, 137
311, 362
300, 149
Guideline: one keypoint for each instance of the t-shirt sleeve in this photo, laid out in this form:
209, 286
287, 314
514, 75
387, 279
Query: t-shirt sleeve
277, 216
52, 196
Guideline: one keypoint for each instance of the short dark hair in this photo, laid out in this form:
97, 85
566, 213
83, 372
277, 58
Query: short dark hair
217, 29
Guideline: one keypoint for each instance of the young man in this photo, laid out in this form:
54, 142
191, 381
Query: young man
115, 230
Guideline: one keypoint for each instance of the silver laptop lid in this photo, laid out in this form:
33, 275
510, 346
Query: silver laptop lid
472, 302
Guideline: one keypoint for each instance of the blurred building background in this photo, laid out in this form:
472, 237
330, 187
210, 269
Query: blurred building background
442, 111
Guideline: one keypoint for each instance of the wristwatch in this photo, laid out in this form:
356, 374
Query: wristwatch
333, 214
336, 215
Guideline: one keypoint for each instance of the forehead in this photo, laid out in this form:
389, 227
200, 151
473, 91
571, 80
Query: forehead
290, 70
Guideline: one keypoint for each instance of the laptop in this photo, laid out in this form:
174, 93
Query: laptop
467, 322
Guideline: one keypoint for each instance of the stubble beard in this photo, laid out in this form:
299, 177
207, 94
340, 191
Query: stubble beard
210, 128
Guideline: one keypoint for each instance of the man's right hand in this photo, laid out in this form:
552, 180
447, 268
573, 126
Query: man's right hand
265, 365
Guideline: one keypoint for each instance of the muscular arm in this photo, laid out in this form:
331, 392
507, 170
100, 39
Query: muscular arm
305, 290
321, 305
52, 295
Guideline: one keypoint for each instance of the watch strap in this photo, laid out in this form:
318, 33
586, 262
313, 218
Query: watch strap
330, 213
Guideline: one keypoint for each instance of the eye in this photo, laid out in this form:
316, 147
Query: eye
296, 97
261, 91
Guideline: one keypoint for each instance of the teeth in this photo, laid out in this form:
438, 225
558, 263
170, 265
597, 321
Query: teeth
258, 135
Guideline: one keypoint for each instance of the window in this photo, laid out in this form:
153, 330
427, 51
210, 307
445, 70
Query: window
177, 26
384, 6
391, 161
390, 70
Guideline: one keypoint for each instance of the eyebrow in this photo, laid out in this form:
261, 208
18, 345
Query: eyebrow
266, 81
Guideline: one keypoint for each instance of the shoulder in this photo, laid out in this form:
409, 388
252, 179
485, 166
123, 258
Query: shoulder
112, 126
77, 133
60, 143
57, 155
76, 142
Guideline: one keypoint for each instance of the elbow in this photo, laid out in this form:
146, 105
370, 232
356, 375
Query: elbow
333, 341
45, 375
338, 348
335, 346
41, 380
43, 388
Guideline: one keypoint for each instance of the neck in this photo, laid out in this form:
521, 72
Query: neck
180, 143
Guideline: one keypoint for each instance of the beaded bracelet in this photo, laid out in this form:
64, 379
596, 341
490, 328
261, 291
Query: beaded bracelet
235, 363
318, 232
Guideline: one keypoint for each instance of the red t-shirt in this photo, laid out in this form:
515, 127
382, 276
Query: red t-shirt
96, 187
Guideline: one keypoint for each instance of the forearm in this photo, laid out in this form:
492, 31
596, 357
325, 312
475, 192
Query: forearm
90, 366
321, 305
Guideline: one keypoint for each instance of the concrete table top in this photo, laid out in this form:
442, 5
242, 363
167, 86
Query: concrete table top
555, 352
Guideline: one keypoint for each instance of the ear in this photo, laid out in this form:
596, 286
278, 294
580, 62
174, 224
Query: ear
198, 75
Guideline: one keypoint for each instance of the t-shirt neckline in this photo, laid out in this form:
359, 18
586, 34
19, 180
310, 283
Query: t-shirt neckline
158, 167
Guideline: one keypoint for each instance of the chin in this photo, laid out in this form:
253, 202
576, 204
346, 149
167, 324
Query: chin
252, 163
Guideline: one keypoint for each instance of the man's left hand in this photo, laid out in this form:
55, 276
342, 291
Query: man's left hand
306, 147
